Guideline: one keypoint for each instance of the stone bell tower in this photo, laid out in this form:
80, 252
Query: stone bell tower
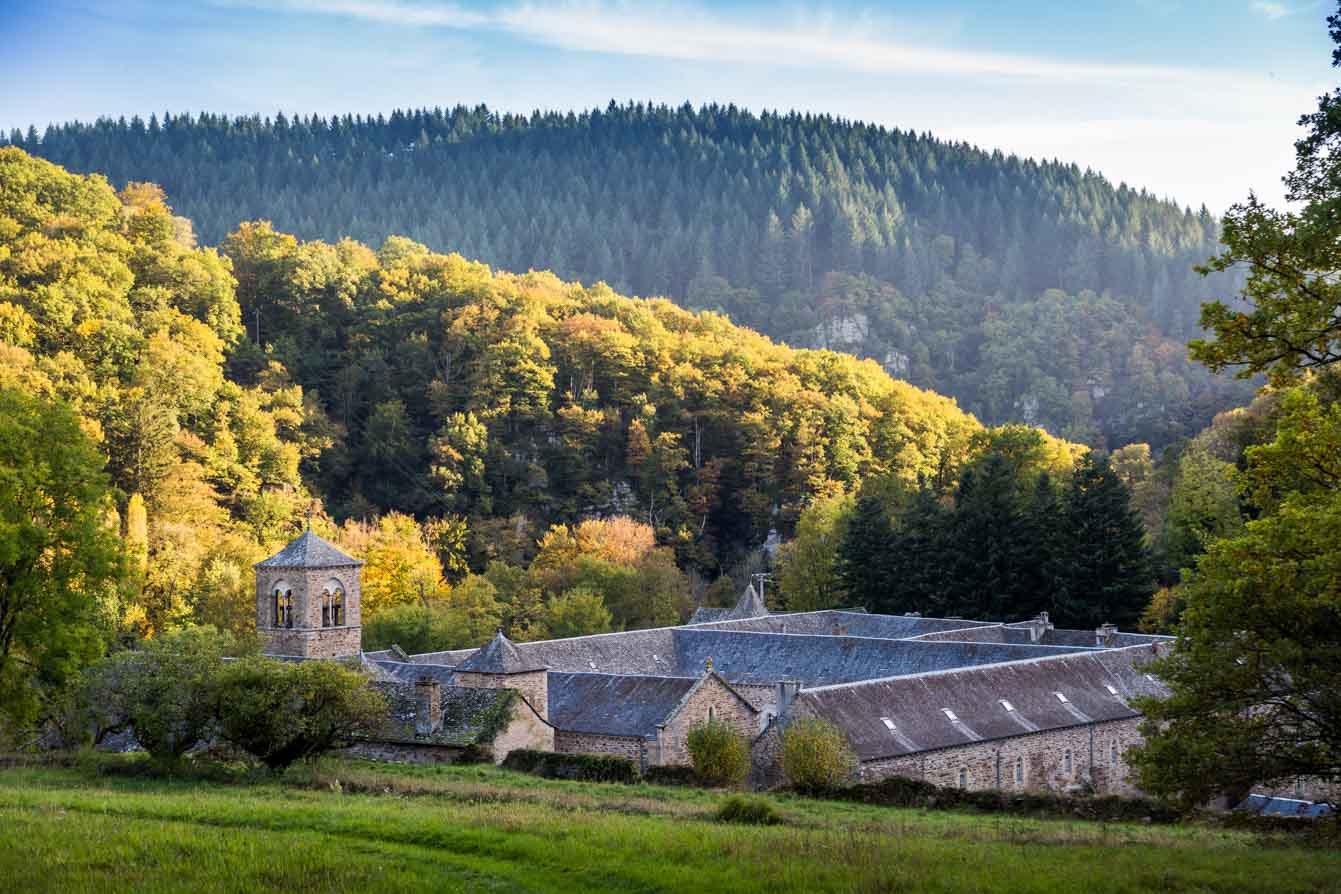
307, 601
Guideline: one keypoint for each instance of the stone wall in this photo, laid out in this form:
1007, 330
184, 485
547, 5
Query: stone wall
331, 642
1059, 760
404, 753
527, 729
533, 685
766, 758
710, 698
632, 747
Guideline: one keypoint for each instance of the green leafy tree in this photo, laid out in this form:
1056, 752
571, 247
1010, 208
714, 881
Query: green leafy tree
59, 563
576, 612
168, 687
415, 628
281, 712
807, 565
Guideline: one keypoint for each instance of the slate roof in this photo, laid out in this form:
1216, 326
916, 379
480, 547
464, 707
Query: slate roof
849, 623
500, 656
465, 714
631, 652
613, 704
410, 673
309, 551
916, 703
748, 657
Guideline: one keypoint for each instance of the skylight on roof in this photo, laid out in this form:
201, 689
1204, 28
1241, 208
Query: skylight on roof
1007, 705
889, 724
1061, 698
1111, 690
950, 714
591, 664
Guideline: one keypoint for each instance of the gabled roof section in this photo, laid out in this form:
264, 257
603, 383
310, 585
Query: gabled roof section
940, 709
500, 656
614, 704
309, 551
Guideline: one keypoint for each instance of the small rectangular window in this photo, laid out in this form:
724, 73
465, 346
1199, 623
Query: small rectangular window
1066, 763
963, 778
950, 714
889, 724
1111, 690
1019, 771
1007, 705
1061, 698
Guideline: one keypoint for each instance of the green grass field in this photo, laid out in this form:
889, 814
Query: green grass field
384, 829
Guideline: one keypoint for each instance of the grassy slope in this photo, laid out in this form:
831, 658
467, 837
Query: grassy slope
481, 829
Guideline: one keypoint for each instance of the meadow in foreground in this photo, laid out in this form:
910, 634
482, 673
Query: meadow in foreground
355, 826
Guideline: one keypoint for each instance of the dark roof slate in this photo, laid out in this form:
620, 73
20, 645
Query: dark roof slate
750, 605
309, 551
613, 704
500, 656
750, 657
916, 704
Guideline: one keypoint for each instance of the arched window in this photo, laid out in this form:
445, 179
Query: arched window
712, 713
1066, 762
283, 606
1019, 771
1113, 753
963, 778
333, 606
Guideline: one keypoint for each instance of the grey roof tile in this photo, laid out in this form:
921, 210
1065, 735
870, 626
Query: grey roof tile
613, 704
309, 551
500, 656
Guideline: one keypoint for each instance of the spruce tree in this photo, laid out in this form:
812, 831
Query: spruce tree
918, 557
864, 566
987, 557
1107, 566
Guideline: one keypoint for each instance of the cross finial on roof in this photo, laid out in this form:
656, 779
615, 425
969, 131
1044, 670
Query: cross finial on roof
309, 516
707, 665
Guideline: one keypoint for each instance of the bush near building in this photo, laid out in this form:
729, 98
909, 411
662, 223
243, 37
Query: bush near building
816, 755
720, 755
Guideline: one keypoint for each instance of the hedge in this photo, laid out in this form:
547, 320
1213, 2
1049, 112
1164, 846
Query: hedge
578, 767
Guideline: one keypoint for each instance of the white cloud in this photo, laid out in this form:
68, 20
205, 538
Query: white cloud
1271, 10
696, 33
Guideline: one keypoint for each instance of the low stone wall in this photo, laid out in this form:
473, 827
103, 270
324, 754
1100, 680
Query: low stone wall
404, 753
592, 743
1056, 760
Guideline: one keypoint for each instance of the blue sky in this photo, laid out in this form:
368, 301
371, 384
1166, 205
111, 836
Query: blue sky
1193, 99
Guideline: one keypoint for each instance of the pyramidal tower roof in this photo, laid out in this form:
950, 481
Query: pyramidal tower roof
499, 656
309, 551
751, 605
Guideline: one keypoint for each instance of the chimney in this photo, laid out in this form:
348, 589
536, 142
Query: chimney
427, 706
1105, 635
784, 695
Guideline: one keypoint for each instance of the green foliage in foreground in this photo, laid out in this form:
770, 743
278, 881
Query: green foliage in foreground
720, 755
483, 829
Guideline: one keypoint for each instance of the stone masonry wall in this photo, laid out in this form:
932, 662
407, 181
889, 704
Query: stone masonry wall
725, 705
1053, 759
591, 743
332, 642
526, 730
307, 638
533, 685
403, 753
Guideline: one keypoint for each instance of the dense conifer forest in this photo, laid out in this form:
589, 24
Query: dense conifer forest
1031, 291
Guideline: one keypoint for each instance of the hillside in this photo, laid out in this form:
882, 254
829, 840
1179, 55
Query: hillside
1030, 291
406, 380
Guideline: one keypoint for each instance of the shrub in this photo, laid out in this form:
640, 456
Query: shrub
720, 755
816, 755
578, 767
280, 711
750, 811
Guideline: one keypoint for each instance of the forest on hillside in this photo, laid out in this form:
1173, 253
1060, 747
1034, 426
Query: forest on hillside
1030, 291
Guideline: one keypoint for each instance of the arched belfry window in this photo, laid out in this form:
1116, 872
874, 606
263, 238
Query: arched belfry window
283, 606
333, 605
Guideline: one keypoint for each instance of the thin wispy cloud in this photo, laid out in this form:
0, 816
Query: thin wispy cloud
1271, 10
695, 33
